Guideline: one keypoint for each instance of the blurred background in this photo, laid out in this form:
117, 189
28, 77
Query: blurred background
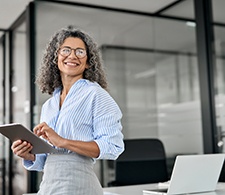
165, 61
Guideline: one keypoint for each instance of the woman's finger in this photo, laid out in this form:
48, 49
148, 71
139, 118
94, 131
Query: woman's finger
16, 144
26, 149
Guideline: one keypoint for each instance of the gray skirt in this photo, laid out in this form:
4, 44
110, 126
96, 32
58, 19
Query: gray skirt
69, 174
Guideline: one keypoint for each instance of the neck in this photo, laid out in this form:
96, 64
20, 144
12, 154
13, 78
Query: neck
67, 82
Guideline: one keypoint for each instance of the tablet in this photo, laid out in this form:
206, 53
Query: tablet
16, 131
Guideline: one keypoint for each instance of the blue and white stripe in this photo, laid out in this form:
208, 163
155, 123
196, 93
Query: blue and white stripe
88, 113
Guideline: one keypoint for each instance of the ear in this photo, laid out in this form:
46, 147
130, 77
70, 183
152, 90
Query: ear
86, 66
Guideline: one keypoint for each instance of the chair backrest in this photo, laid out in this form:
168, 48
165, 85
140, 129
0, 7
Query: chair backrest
143, 161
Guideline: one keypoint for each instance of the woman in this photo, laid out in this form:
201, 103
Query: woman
80, 119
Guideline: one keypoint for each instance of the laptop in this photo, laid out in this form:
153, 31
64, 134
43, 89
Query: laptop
192, 174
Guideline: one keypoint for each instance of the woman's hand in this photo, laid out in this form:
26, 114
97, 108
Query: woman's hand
89, 149
22, 149
44, 131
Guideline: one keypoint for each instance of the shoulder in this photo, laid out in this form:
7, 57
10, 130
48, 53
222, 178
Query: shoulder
99, 95
94, 88
96, 92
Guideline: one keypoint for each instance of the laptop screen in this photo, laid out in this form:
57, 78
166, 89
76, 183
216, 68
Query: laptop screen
196, 173
193, 174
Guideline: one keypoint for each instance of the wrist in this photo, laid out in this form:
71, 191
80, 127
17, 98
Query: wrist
31, 157
62, 143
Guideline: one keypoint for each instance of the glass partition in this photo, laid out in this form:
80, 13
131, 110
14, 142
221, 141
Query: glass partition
2, 139
219, 32
152, 71
220, 84
6, 113
159, 96
1, 79
20, 103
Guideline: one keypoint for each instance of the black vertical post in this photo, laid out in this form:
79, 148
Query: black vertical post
30, 22
3, 175
4, 115
206, 63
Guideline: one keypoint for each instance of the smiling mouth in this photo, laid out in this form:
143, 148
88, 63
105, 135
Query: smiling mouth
71, 64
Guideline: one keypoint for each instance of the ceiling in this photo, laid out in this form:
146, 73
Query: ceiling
16, 7
173, 8
7, 17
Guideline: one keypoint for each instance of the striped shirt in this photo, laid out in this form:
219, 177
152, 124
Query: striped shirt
88, 113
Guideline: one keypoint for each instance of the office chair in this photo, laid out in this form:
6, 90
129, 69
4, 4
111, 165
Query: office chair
143, 161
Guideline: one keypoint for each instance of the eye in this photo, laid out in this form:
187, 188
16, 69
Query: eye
65, 51
80, 52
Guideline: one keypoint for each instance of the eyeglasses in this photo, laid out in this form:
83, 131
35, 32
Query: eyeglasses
79, 52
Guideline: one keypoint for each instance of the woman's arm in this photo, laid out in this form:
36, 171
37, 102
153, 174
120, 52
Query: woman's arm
89, 149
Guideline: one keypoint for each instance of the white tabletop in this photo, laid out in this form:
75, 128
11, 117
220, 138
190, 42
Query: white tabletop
128, 190
137, 190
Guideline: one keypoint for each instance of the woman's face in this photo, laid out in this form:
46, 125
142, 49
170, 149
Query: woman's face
72, 58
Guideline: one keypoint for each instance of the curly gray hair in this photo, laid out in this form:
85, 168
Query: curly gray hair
49, 77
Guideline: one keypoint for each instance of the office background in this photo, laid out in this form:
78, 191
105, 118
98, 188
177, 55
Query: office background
165, 65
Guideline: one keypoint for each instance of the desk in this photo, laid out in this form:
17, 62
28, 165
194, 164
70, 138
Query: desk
137, 190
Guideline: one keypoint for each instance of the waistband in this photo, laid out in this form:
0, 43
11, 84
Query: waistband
69, 157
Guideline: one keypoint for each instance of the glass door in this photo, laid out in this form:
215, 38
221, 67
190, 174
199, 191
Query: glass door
219, 36
2, 117
20, 102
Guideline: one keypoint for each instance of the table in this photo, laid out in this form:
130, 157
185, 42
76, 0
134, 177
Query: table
137, 190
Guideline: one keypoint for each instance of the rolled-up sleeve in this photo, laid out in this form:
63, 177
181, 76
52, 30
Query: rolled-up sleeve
107, 127
37, 165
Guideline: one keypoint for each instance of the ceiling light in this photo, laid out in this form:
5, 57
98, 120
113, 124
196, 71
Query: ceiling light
191, 24
145, 74
14, 89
